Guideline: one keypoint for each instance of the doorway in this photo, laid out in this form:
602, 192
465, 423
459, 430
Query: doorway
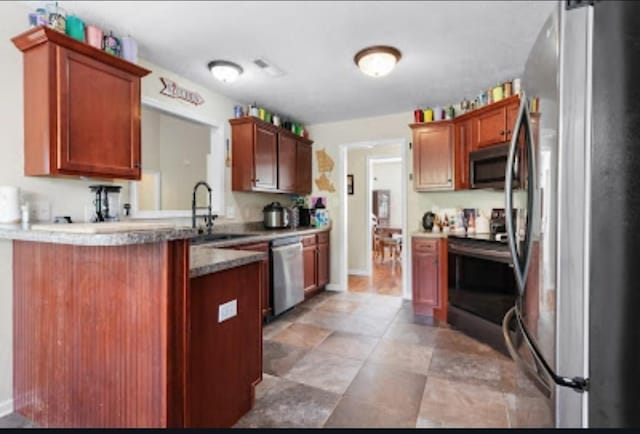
374, 239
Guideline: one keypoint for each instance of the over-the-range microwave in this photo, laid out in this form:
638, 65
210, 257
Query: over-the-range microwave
487, 167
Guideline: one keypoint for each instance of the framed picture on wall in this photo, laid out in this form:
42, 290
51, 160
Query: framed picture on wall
349, 184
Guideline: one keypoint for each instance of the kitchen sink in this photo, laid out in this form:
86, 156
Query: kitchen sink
208, 238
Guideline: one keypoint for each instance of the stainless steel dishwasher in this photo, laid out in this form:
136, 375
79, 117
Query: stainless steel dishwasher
287, 272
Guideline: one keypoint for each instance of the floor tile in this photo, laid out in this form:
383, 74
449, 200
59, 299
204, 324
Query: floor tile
325, 371
348, 345
278, 358
339, 305
302, 335
456, 341
413, 358
378, 310
472, 369
388, 387
319, 298
274, 327
460, 405
354, 413
293, 314
529, 412
290, 405
412, 334
325, 319
268, 381
364, 325
406, 316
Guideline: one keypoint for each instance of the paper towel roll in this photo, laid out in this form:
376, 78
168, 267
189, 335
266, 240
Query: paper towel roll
9, 204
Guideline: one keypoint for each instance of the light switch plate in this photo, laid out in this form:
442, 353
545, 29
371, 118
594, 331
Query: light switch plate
227, 310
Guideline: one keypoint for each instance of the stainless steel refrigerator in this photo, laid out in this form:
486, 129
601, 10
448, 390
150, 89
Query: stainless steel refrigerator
572, 332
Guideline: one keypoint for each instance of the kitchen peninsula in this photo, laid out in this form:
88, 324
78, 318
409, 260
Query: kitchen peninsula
123, 329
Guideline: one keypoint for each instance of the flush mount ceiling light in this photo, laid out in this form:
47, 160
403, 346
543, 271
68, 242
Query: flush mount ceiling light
225, 71
377, 61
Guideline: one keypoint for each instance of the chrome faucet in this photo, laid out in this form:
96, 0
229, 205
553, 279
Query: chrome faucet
209, 218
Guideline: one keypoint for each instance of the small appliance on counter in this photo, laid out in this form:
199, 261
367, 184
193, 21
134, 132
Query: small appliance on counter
428, 220
9, 204
275, 216
107, 202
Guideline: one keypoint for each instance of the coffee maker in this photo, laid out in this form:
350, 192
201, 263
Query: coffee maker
107, 202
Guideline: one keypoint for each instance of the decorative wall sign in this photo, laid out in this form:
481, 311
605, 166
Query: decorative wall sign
173, 90
325, 165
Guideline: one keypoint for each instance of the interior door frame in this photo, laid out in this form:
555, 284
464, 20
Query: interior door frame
342, 220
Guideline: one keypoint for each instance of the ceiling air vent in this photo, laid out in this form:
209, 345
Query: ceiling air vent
267, 67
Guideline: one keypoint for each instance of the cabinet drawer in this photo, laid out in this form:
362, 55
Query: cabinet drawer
422, 245
309, 240
323, 237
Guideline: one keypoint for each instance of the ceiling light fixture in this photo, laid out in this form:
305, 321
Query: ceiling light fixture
377, 61
225, 71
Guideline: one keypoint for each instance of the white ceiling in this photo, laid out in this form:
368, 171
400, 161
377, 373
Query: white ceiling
450, 50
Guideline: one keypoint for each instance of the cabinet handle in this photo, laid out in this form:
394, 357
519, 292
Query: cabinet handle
137, 165
503, 132
508, 132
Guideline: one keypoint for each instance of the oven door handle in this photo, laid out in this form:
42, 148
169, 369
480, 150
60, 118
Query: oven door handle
520, 264
480, 253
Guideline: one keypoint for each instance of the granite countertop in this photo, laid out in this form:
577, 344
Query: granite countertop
205, 259
148, 235
425, 234
26, 233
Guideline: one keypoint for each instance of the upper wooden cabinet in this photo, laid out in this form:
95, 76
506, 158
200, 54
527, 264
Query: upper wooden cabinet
465, 142
433, 156
81, 108
303, 167
268, 158
494, 122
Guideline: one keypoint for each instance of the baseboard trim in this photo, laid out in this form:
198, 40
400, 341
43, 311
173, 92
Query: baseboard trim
359, 272
6, 407
333, 287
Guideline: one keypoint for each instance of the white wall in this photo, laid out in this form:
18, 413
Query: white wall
357, 211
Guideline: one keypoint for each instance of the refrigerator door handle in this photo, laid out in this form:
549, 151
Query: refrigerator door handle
520, 265
533, 373
579, 384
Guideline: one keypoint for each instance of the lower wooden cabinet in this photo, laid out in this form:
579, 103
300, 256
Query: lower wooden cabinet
265, 287
429, 276
315, 250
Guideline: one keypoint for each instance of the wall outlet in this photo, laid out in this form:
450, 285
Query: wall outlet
227, 310
231, 212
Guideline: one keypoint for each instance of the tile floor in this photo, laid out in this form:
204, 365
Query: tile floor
363, 360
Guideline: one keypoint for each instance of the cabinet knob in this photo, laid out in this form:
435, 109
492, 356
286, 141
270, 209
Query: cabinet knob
137, 165
508, 132
503, 132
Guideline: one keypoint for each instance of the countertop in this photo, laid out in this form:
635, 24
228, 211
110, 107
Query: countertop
434, 235
205, 259
148, 235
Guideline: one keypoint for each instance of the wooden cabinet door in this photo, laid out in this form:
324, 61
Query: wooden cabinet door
511, 114
491, 127
265, 159
464, 140
99, 118
425, 276
223, 358
265, 275
310, 271
322, 264
287, 162
303, 168
433, 157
